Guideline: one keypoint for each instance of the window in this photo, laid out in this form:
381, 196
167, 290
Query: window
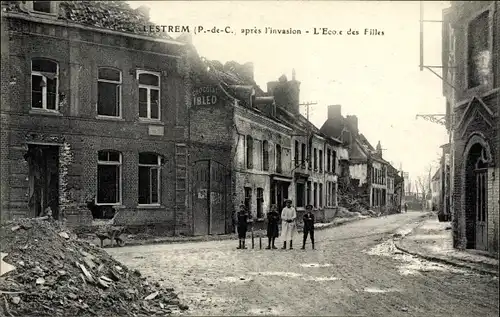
109, 176
328, 160
42, 6
309, 200
149, 95
278, 159
315, 160
248, 198
304, 154
149, 178
260, 200
109, 87
315, 193
479, 55
320, 195
265, 155
249, 152
296, 156
299, 193
309, 155
334, 161
44, 84
320, 160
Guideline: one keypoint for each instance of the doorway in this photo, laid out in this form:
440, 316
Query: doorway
476, 200
43, 179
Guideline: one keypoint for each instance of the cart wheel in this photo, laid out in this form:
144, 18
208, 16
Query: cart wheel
120, 242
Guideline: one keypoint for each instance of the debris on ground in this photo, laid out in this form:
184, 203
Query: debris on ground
55, 274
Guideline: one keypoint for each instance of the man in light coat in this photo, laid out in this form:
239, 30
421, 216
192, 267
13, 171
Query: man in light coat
288, 224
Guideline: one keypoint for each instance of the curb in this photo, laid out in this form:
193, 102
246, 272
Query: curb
224, 237
444, 261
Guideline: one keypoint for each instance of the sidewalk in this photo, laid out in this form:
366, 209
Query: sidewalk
132, 240
432, 240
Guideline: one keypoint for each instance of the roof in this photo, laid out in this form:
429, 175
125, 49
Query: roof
437, 174
111, 15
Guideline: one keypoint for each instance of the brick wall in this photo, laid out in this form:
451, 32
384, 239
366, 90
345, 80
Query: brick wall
77, 130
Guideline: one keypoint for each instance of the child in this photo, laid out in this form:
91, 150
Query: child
308, 226
242, 223
272, 226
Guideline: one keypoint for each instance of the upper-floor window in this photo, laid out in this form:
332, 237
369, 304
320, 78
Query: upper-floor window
479, 54
278, 158
109, 87
320, 160
296, 156
265, 155
43, 6
304, 155
334, 161
149, 95
149, 178
249, 152
109, 177
44, 84
328, 160
315, 159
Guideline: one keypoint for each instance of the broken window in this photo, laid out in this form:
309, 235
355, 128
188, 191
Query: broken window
260, 201
149, 178
265, 155
44, 84
109, 166
42, 6
249, 152
109, 92
149, 95
278, 158
479, 55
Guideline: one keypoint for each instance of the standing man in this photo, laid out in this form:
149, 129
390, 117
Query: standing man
308, 226
288, 226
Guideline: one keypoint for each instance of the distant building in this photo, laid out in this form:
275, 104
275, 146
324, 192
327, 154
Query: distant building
436, 190
471, 55
367, 168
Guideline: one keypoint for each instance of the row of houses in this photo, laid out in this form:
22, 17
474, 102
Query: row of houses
469, 172
101, 120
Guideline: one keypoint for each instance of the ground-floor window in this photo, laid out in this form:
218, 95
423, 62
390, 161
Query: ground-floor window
248, 198
109, 177
320, 195
309, 200
260, 201
299, 193
149, 178
315, 195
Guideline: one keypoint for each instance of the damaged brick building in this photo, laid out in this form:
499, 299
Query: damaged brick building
94, 115
471, 60
367, 179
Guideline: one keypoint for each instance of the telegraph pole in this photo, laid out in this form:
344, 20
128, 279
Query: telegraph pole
308, 105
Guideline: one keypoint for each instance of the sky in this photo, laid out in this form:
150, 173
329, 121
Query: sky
375, 77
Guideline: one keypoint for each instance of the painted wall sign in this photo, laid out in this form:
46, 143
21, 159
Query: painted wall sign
205, 96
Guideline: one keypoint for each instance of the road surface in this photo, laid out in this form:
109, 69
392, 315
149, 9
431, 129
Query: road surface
354, 271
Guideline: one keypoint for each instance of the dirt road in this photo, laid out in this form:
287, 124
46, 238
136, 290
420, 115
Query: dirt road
354, 271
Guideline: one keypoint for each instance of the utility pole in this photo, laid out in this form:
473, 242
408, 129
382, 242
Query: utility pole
309, 151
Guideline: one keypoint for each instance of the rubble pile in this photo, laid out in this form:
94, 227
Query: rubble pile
52, 273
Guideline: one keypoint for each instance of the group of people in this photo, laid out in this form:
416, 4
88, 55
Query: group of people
288, 219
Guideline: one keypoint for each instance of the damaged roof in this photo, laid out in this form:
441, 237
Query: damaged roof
112, 15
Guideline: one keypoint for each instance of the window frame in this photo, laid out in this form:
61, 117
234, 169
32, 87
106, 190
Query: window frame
158, 170
491, 10
120, 178
265, 155
120, 90
44, 89
260, 202
54, 5
149, 88
249, 151
278, 163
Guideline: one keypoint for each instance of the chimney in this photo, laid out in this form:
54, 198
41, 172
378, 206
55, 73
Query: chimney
352, 122
144, 10
379, 149
334, 111
286, 93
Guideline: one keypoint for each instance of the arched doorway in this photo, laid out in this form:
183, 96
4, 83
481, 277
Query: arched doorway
476, 198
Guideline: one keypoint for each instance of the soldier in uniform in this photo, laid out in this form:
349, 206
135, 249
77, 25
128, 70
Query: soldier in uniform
308, 226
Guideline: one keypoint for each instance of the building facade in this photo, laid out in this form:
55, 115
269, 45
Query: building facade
471, 55
94, 115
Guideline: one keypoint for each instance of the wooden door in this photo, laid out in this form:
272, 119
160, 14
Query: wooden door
217, 203
481, 208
